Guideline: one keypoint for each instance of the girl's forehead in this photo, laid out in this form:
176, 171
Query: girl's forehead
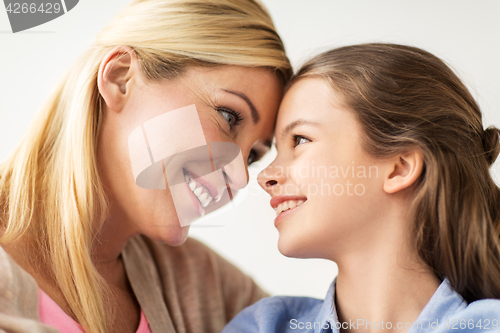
307, 97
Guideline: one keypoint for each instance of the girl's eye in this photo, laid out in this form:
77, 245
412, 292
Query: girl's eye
232, 117
298, 140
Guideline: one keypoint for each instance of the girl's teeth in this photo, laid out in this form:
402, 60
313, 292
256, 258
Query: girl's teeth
288, 205
192, 185
197, 191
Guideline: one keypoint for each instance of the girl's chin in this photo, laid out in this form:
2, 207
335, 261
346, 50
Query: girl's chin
296, 246
287, 247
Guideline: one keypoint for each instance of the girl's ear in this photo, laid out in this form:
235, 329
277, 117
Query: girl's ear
405, 170
115, 75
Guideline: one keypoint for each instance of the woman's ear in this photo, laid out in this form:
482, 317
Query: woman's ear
405, 170
117, 69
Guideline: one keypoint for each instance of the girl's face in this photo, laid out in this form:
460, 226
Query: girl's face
327, 191
234, 104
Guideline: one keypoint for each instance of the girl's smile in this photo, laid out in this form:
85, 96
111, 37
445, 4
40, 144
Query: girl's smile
285, 205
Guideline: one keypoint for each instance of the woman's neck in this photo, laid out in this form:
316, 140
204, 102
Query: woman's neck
112, 239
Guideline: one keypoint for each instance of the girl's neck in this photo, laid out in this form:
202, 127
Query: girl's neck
384, 285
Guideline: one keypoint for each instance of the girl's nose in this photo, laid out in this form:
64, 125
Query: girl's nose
270, 177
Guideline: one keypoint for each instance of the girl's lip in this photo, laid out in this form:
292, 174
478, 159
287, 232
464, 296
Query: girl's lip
213, 191
278, 218
275, 201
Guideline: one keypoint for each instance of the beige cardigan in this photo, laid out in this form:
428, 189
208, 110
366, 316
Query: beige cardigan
188, 288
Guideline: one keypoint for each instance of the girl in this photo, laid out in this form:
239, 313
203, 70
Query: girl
397, 193
80, 240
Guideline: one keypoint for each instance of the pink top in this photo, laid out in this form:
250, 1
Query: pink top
51, 314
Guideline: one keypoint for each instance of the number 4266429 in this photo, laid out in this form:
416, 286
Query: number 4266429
25, 8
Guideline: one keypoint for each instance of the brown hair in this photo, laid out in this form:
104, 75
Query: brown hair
406, 98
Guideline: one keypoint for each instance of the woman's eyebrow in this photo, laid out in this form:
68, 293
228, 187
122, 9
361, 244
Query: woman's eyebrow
301, 121
255, 113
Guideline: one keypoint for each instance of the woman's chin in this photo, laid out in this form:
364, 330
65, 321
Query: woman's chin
172, 236
178, 237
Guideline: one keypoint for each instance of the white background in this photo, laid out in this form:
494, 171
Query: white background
464, 33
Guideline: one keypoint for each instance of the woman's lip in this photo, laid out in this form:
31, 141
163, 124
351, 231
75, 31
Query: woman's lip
278, 218
213, 191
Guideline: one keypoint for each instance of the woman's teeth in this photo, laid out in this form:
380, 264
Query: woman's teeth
201, 193
285, 205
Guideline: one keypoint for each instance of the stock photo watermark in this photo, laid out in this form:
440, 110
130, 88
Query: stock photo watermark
24, 15
201, 176
448, 324
335, 180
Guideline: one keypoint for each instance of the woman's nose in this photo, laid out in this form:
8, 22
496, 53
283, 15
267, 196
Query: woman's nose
270, 177
236, 174
227, 156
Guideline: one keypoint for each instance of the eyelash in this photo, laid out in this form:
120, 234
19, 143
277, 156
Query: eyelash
238, 118
296, 138
257, 157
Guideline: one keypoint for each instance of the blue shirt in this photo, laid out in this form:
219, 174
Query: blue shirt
446, 311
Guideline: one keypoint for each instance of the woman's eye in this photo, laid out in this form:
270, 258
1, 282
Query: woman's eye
298, 140
233, 118
229, 117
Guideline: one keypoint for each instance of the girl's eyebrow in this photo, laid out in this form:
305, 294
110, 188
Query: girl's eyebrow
301, 121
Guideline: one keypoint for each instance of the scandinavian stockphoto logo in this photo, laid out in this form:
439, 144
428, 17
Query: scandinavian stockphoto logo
25, 15
170, 152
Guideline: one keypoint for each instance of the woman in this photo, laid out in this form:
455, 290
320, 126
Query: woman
383, 168
80, 239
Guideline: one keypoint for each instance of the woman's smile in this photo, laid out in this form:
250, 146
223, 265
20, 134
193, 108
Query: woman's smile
202, 191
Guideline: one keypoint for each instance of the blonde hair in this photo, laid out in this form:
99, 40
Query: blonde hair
50, 189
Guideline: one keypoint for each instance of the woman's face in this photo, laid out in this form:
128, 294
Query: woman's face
326, 190
234, 104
